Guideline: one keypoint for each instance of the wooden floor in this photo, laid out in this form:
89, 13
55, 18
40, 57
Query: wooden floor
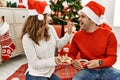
7, 68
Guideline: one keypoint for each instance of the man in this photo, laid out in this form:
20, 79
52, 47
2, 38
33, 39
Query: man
96, 45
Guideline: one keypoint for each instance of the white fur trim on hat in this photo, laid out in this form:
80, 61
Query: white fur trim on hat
102, 19
4, 28
32, 12
40, 17
47, 10
98, 20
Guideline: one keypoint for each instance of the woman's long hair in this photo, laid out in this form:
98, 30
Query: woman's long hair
36, 29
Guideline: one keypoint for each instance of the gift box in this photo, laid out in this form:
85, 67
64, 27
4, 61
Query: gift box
65, 72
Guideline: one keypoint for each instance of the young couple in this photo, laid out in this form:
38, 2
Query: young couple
94, 42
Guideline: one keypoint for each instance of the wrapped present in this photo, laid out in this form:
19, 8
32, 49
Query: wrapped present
65, 72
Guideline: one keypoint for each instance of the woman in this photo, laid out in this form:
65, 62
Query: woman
39, 42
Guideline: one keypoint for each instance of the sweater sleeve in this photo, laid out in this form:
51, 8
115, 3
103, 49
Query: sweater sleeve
61, 42
73, 49
32, 58
111, 51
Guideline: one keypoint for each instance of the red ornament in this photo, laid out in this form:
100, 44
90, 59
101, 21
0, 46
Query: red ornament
65, 9
55, 1
20, 1
20, 5
59, 14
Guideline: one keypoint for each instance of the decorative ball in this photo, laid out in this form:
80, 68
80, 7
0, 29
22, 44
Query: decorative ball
66, 17
53, 12
74, 10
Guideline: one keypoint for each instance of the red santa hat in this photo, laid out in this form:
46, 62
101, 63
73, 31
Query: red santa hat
38, 7
95, 12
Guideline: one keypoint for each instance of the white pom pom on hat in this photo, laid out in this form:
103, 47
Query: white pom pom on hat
38, 7
40, 17
95, 12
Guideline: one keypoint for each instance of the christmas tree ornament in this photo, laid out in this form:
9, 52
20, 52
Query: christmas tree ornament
76, 16
20, 4
68, 10
52, 12
65, 9
55, 1
66, 17
59, 14
56, 13
65, 5
74, 10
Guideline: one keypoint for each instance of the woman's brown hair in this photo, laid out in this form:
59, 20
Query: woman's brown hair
36, 29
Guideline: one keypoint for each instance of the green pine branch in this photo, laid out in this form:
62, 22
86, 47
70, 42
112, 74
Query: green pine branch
73, 7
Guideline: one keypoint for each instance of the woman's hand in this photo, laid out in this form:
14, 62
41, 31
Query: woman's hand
69, 26
63, 60
66, 60
58, 60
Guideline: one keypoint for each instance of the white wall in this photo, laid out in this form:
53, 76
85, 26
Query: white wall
116, 21
113, 16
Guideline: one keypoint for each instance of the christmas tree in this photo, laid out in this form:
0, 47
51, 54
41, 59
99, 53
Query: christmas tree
63, 10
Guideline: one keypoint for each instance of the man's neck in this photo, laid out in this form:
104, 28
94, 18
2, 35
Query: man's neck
92, 28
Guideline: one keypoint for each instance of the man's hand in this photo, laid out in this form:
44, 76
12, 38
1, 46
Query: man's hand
77, 64
92, 64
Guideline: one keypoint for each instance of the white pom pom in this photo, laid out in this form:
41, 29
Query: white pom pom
40, 17
102, 19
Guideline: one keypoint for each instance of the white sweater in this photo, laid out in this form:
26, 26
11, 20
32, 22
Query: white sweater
41, 57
